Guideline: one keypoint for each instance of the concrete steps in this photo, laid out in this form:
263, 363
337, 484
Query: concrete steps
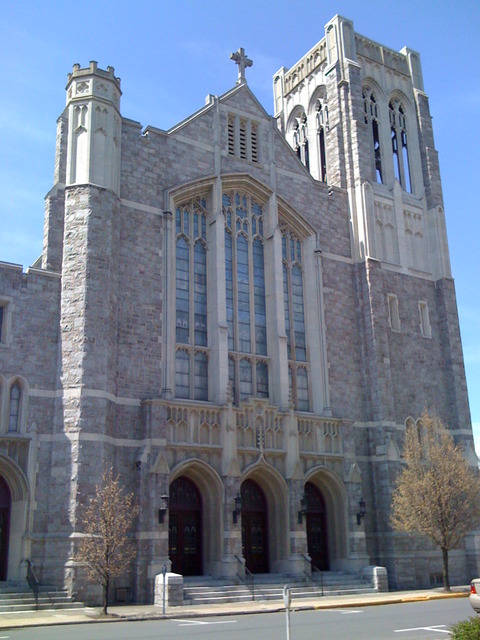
18, 597
206, 590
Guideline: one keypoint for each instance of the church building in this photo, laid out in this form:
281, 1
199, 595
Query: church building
239, 315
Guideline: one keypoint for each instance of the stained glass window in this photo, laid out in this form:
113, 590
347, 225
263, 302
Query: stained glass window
191, 300
245, 295
293, 300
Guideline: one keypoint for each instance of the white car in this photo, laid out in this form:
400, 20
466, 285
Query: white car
474, 596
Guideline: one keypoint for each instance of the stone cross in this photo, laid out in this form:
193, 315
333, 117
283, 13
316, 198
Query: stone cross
243, 62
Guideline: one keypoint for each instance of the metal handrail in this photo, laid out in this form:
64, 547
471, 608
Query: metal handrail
314, 571
246, 576
33, 581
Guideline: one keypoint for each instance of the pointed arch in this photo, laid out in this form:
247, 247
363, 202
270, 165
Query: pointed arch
19, 490
334, 492
275, 489
210, 487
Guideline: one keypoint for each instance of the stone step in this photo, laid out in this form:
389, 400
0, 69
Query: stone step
28, 599
42, 606
18, 597
210, 591
15, 595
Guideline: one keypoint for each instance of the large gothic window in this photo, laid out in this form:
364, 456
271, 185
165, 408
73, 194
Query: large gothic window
398, 131
191, 358
245, 295
293, 297
370, 107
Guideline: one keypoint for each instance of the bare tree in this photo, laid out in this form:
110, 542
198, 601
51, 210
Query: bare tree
106, 549
437, 494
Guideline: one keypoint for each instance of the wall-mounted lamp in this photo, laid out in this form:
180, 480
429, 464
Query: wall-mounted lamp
238, 508
163, 509
303, 509
362, 512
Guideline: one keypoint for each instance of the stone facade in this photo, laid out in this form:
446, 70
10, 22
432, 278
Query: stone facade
223, 319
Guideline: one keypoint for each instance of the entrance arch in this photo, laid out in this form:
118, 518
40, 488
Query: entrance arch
316, 527
254, 527
185, 527
5, 508
331, 489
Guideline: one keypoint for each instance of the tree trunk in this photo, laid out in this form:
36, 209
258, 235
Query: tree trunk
446, 579
105, 596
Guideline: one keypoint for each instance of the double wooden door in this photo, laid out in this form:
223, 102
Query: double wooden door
185, 528
254, 528
316, 524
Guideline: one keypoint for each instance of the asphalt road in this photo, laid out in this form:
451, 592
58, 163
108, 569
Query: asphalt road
414, 621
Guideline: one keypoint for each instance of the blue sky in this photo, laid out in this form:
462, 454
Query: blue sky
171, 54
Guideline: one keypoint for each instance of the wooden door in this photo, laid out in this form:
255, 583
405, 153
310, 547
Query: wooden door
254, 528
5, 502
185, 528
316, 527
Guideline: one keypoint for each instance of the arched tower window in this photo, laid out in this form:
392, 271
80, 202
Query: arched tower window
245, 295
398, 131
300, 139
293, 300
370, 108
191, 372
14, 408
322, 127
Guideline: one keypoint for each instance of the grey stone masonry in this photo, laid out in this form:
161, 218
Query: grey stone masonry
242, 343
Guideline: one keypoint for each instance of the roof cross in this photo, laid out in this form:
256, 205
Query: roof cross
243, 62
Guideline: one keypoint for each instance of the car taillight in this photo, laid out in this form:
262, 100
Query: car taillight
472, 588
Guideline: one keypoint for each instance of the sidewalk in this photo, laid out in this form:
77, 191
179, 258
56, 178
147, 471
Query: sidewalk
152, 612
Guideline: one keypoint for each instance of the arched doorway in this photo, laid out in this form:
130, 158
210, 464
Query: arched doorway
185, 527
316, 526
5, 504
254, 528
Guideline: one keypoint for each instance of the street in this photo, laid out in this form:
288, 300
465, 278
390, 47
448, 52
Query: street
413, 621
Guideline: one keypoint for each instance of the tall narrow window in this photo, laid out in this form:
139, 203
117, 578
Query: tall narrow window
1, 324
191, 300
425, 327
398, 129
245, 295
243, 139
231, 135
254, 142
393, 312
14, 408
371, 118
322, 127
293, 299
300, 139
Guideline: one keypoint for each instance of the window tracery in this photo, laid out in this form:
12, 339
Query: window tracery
245, 295
191, 358
370, 108
300, 139
398, 132
293, 299
322, 127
